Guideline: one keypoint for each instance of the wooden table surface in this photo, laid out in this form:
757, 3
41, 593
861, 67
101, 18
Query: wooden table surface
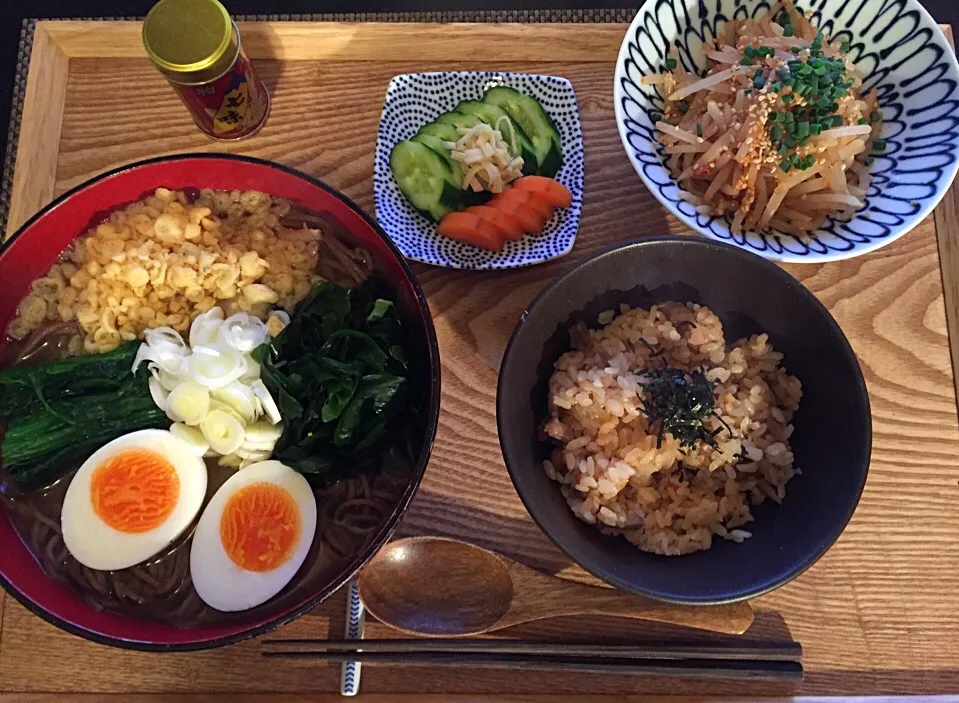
876, 615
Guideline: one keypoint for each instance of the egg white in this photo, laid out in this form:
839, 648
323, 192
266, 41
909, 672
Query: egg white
93, 542
218, 580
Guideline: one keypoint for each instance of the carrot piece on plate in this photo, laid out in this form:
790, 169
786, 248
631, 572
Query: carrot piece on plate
529, 219
550, 189
525, 197
471, 229
508, 226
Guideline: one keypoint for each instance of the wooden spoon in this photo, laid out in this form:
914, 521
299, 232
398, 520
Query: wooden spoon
441, 587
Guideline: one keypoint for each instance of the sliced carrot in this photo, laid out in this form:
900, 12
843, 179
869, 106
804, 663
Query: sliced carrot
471, 229
528, 218
552, 190
508, 226
525, 197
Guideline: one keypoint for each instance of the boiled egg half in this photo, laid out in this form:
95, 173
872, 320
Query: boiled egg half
131, 499
253, 536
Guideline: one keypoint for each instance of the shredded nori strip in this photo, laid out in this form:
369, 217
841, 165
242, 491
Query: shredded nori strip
679, 402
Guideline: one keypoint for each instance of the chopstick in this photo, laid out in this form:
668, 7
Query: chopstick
778, 661
760, 651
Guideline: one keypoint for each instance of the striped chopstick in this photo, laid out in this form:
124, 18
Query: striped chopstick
355, 622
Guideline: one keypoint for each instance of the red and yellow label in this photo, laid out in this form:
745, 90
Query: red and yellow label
234, 105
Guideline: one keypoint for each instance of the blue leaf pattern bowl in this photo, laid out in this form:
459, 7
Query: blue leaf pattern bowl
899, 50
414, 99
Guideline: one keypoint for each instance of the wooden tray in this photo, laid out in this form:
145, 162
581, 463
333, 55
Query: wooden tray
876, 615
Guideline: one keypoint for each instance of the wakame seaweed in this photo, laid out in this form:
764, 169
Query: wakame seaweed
339, 375
55, 415
679, 402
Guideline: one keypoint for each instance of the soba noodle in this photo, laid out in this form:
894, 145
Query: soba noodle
350, 512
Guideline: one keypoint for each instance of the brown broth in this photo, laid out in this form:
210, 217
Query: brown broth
161, 589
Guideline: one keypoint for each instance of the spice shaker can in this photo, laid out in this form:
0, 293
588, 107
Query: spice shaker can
196, 45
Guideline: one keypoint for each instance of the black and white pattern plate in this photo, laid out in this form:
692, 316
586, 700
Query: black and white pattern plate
417, 98
899, 50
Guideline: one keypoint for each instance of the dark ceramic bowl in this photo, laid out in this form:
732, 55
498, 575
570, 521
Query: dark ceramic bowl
832, 439
31, 251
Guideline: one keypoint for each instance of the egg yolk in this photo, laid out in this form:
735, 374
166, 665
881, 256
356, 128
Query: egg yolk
260, 527
134, 491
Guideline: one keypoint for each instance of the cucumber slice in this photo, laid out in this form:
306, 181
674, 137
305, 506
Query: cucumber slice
445, 132
458, 119
424, 178
537, 125
452, 197
435, 144
520, 146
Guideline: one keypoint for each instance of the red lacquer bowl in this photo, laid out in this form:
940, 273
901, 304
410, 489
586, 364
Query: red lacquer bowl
35, 247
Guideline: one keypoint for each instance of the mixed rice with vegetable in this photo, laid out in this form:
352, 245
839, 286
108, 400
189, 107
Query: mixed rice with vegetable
666, 436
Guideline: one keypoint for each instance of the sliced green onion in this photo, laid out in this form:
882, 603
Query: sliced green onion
862, 120
699, 129
776, 133
788, 30
802, 129
879, 145
785, 165
671, 64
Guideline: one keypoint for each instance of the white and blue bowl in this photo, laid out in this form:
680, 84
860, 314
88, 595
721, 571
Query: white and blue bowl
900, 51
414, 99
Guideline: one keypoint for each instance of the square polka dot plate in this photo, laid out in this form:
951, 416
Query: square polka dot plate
414, 99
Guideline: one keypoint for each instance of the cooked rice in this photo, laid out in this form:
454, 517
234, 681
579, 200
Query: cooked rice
668, 499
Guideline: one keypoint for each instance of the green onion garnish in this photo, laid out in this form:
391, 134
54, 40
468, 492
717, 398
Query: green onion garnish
699, 129
671, 64
879, 145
